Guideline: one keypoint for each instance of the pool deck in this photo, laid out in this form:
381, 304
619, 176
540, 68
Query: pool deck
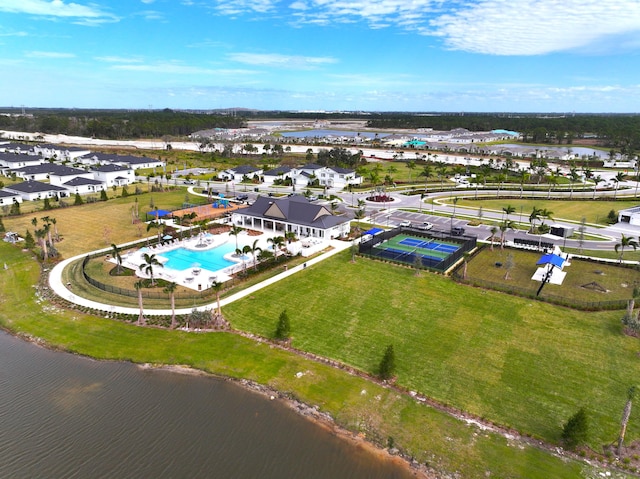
62, 290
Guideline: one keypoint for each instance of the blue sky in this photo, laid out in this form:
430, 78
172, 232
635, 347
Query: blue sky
372, 55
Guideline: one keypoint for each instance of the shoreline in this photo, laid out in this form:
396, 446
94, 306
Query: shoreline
310, 413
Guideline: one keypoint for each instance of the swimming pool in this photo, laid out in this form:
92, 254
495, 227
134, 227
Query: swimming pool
210, 259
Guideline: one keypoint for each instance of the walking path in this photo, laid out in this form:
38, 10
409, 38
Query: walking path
57, 285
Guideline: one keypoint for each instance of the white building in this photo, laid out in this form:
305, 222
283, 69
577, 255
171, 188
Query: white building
114, 175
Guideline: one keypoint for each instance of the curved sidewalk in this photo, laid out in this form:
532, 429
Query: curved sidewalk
62, 290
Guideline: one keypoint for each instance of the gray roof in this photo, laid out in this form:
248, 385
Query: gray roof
245, 169
17, 158
6, 194
51, 168
79, 181
110, 168
34, 187
294, 209
280, 170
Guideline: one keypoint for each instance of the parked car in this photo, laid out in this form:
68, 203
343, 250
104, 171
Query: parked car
242, 197
405, 223
425, 226
312, 198
189, 182
457, 231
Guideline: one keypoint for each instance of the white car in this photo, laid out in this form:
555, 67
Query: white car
405, 223
425, 226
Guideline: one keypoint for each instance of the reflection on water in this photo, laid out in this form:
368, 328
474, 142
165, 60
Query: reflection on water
66, 416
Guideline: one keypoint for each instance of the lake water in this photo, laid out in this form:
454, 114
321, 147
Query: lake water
68, 416
335, 133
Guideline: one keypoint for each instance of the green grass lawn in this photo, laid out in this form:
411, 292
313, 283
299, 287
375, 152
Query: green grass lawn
618, 281
593, 211
517, 362
448, 445
93, 226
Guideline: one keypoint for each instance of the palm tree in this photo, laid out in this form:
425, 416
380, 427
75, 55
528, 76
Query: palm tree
524, 176
158, 225
596, 179
115, 253
216, 286
150, 261
427, 172
411, 165
494, 230
500, 178
573, 178
534, 216
290, 236
358, 215
277, 243
625, 242
504, 226
171, 289
618, 178
235, 231
625, 416
141, 318
507, 210
255, 249
41, 234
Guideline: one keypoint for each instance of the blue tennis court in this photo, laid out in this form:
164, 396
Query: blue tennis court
397, 254
433, 245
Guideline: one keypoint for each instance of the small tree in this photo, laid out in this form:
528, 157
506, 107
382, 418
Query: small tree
47, 204
29, 242
103, 195
78, 200
283, 330
576, 430
626, 413
2, 228
388, 364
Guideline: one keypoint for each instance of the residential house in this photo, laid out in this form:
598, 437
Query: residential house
36, 190
239, 173
13, 161
59, 152
82, 185
113, 175
8, 198
279, 173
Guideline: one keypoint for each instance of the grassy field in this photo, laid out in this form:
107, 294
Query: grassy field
594, 211
448, 445
514, 361
618, 281
98, 225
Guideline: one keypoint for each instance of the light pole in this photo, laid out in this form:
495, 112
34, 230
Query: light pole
455, 201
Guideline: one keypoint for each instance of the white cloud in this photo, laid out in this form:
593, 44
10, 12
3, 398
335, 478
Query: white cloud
116, 59
290, 62
56, 8
40, 54
176, 68
496, 27
522, 27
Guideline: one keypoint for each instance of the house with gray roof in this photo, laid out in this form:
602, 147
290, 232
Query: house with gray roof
8, 198
81, 185
114, 175
36, 190
279, 173
13, 161
329, 176
240, 172
296, 214
60, 152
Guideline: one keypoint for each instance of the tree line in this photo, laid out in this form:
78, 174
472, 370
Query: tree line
118, 124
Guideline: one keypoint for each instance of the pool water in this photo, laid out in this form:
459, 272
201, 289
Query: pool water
211, 259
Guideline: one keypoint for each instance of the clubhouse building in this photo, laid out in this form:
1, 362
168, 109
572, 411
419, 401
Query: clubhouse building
292, 214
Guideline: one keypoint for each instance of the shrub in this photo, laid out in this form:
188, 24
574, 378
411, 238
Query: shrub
283, 330
576, 430
388, 363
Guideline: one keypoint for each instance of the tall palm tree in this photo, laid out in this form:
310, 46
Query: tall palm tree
631, 393
41, 235
158, 225
150, 261
115, 253
504, 226
141, 318
507, 210
358, 215
524, 176
277, 242
254, 250
534, 216
171, 289
617, 179
625, 242
216, 286
427, 172
596, 179
494, 230
235, 231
